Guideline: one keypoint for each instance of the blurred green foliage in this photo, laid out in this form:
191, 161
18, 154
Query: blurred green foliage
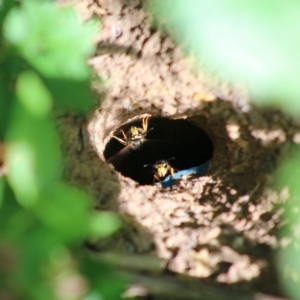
43, 221
287, 180
256, 43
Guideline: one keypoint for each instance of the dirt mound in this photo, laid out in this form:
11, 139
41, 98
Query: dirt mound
220, 226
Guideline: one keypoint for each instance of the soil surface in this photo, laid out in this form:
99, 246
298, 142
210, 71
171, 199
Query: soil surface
218, 229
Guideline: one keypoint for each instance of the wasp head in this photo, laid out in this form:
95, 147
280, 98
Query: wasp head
135, 135
162, 168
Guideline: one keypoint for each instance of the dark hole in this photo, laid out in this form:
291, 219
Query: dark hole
186, 144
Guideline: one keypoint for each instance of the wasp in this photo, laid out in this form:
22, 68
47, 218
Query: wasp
135, 136
162, 169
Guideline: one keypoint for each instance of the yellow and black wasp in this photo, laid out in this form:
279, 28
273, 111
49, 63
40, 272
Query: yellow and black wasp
162, 169
135, 136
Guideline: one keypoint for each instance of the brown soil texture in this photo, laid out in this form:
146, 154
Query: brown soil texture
218, 229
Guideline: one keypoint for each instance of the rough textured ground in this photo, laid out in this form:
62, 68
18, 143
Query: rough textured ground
221, 227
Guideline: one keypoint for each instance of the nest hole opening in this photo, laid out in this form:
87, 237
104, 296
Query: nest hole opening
179, 142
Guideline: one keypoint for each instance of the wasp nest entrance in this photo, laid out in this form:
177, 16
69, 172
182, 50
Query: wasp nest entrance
150, 148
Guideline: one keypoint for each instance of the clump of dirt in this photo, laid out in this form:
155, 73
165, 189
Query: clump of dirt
221, 226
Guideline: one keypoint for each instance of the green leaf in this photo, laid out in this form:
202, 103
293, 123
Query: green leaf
10, 66
70, 94
289, 267
254, 42
65, 211
8, 209
1, 191
59, 56
22, 175
5, 6
288, 260
286, 174
103, 224
33, 155
55, 53
33, 259
33, 94
105, 287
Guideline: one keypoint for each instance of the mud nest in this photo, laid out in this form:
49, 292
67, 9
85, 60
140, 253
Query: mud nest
220, 227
